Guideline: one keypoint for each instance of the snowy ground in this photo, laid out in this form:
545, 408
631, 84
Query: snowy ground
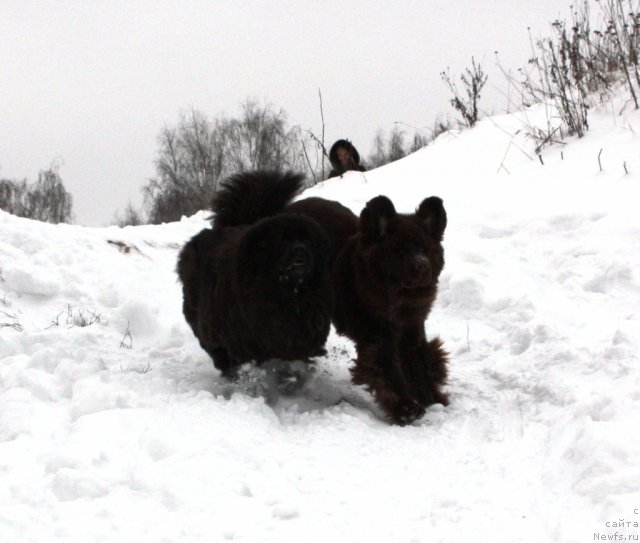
114, 426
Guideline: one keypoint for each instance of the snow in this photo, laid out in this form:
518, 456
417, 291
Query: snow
114, 425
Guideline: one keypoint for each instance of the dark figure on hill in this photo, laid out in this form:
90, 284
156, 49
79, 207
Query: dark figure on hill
344, 157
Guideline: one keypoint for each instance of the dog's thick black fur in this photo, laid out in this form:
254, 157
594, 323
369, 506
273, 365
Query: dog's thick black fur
256, 286
385, 269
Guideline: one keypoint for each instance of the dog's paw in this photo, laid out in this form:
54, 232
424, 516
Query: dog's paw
407, 411
401, 410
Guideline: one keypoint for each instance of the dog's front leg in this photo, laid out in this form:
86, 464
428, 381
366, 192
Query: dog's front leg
424, 365
377, 368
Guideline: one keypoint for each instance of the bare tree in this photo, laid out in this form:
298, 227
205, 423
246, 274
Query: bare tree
260, 139
13, 196
130, 216
189, 163
396, 146
385, 150
48, 200
45, 200
378, 155
419, 141
198, 153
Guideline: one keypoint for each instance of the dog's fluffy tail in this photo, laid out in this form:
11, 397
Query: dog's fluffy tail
247, 197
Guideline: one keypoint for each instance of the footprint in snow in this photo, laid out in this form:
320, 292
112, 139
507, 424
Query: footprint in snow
285, 513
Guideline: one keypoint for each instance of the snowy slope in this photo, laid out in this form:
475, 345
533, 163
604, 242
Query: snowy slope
114, 426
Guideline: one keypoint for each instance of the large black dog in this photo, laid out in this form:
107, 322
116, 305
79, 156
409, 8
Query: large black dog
256, 286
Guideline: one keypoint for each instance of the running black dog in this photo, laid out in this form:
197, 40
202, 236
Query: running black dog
257, 286
385, 270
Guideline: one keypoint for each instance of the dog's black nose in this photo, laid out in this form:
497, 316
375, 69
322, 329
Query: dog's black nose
421, 263
300, 253
421, 267
297, 263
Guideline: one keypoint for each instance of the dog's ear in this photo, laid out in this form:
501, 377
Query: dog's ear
375, 218
432, 214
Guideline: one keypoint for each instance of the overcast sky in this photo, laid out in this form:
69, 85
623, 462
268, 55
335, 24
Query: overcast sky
90, 84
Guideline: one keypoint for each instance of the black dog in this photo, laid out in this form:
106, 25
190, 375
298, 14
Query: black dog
256, 286
385, 269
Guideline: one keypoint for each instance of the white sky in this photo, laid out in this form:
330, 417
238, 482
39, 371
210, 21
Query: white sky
90, 84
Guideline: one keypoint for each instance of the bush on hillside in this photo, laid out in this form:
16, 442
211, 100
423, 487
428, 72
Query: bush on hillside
465, 102
581, 61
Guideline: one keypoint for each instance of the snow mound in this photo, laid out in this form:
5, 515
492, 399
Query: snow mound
114, 425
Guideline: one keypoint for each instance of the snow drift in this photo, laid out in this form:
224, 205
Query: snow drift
114, 425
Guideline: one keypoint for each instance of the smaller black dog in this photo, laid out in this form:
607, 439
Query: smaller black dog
256, 286
386, 267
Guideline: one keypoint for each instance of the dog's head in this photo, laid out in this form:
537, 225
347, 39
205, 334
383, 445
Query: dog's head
403, 252
286, 251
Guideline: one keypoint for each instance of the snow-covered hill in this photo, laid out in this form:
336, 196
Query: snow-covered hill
114, 425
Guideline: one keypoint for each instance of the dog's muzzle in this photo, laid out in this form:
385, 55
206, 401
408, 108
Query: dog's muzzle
419, 273
298, 264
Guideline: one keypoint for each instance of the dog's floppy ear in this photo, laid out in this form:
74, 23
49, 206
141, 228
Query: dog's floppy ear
433, 216
375, 218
